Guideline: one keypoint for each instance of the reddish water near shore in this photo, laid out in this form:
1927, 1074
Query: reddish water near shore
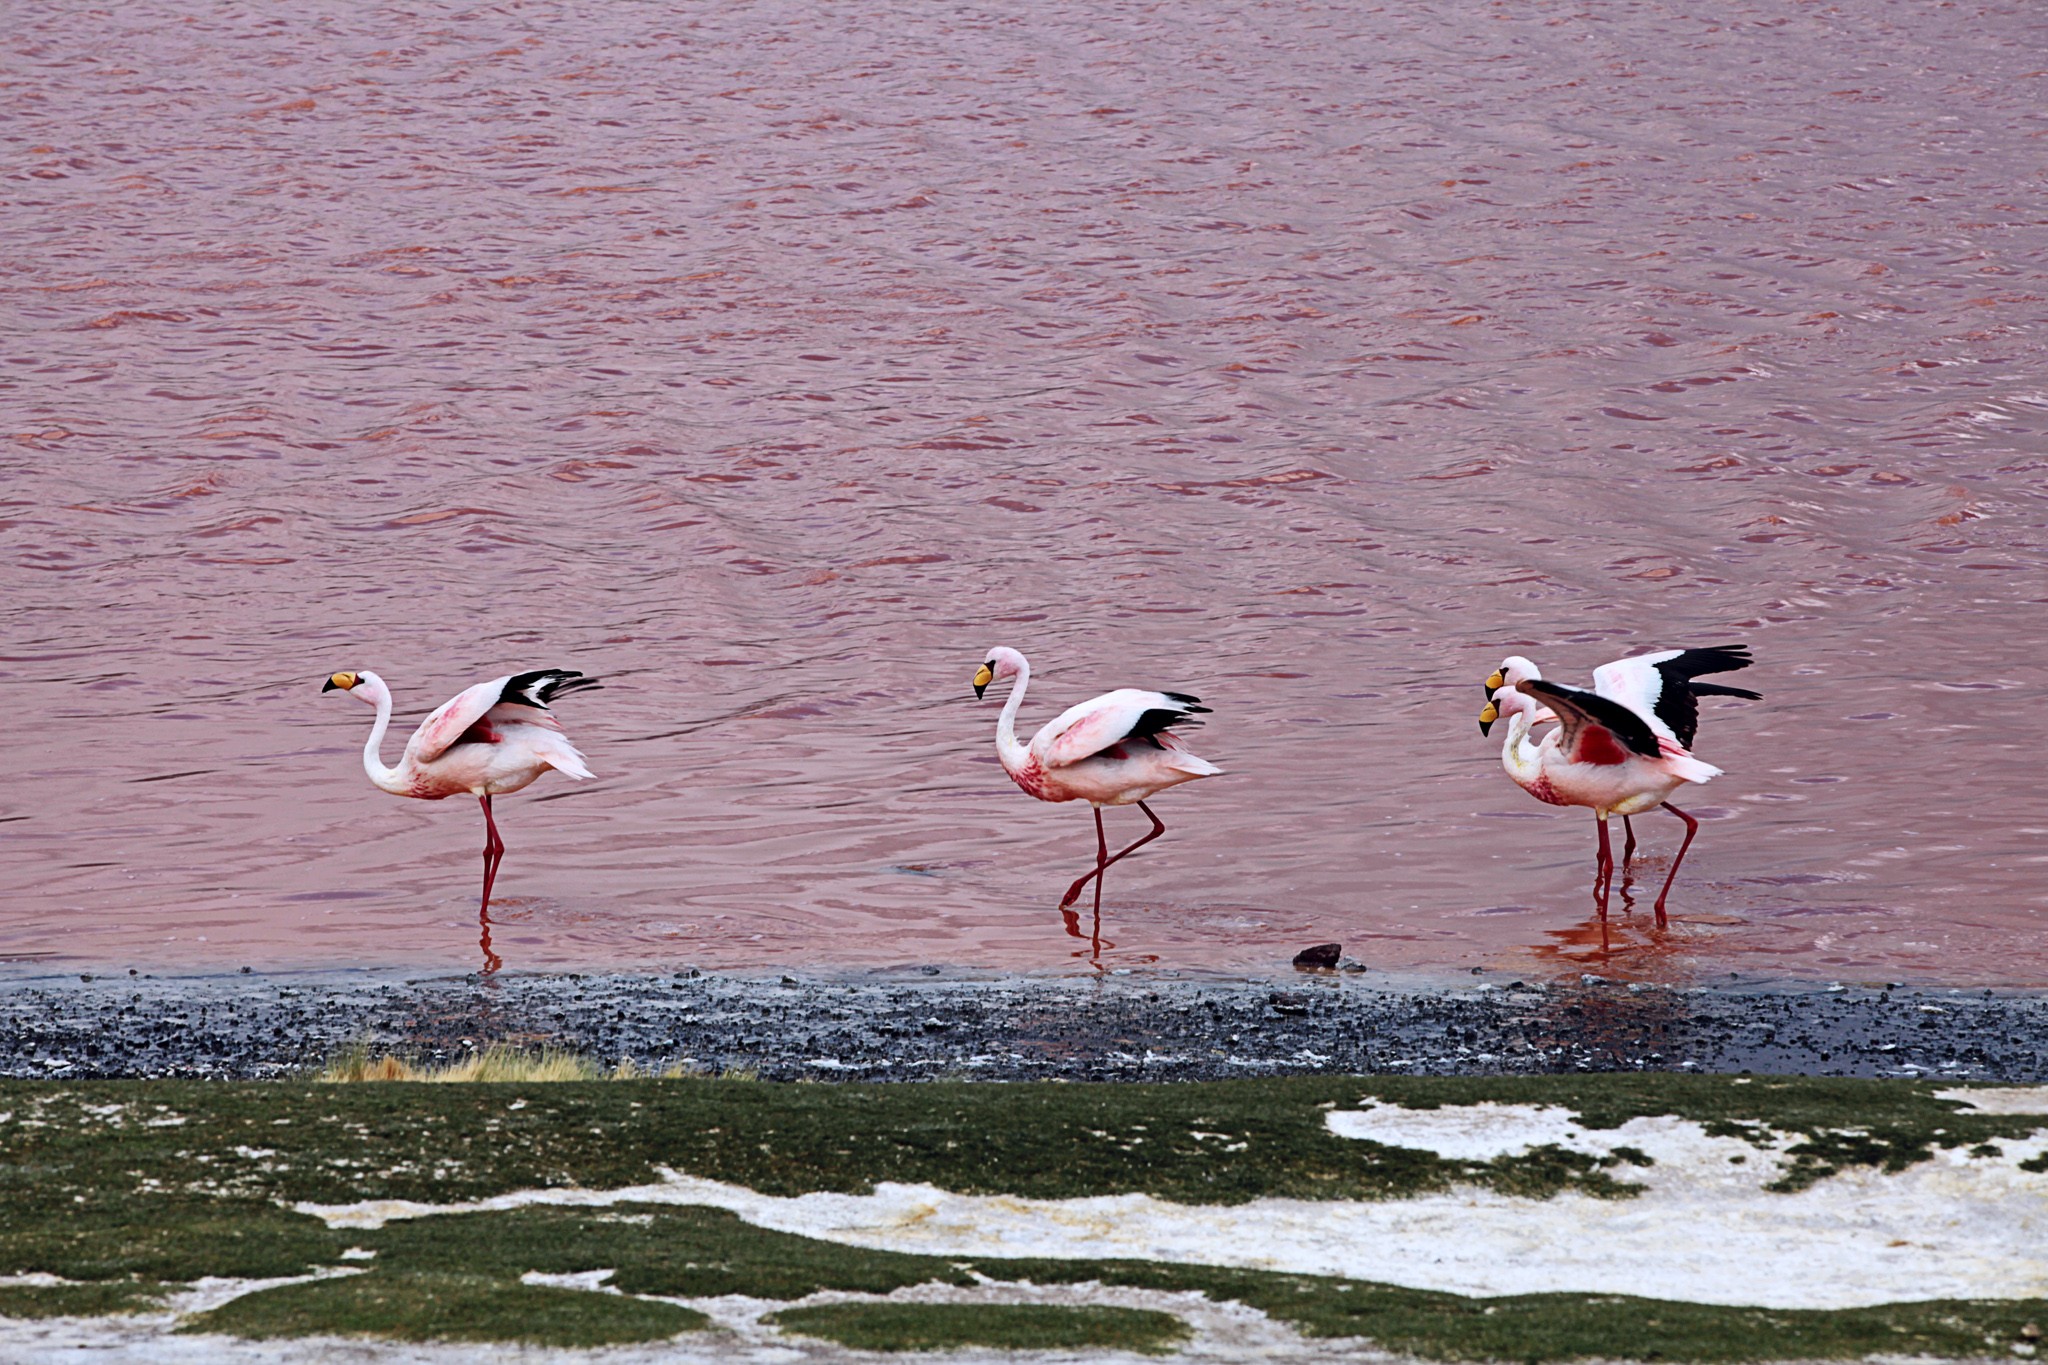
775, 360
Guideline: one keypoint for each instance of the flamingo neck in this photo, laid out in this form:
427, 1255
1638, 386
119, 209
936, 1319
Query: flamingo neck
1523, 760
373, 763
1013, 754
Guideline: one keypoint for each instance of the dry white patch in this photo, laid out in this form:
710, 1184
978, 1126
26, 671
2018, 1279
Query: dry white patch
2009, 1099
592, 1281
210, 1292
1463, 1132
1704, 1229
1221, 1331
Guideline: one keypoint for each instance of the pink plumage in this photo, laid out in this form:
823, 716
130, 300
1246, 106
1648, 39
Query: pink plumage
496, 737
1113, 750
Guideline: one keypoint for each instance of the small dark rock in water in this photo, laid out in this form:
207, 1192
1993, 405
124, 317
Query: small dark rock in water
1321, 958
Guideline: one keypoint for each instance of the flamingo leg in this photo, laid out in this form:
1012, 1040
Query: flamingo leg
494, 853
1603, 871
1692, 827
1102, 860
1628, 850
1104, 864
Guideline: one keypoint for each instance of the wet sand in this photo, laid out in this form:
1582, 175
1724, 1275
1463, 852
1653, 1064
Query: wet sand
919, 1027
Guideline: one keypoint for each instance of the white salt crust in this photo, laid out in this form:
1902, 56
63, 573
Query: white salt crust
1704, 1230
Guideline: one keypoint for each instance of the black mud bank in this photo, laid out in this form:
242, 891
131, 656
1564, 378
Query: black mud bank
919, 1027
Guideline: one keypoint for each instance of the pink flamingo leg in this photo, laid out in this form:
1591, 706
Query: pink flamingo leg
1603, 871
1158, 828
494, 853
1628, 850
1101, 861
1692, 827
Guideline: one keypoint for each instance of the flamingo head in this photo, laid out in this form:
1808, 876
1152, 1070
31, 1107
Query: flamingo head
1513, 671
1505, 701
1003, 662
361, 685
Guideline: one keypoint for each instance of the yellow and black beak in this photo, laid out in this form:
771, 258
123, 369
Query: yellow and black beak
983, 676
1494, 684
344, 681
1490, 714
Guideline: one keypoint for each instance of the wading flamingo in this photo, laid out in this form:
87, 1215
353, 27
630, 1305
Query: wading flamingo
1112, 750
1602, 755
495, 737
1658, 687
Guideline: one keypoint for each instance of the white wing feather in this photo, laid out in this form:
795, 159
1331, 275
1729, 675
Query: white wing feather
1084, 730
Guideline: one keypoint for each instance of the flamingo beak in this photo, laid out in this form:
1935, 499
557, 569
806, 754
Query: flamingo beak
1488, 716
343, 681
983, 676
1494, 683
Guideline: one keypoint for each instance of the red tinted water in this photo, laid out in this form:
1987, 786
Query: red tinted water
775, 360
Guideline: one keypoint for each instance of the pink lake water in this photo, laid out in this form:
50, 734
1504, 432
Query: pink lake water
774, 360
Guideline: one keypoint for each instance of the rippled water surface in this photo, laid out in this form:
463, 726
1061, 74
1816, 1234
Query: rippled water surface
774, 360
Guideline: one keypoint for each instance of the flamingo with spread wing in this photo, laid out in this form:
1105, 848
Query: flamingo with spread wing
1660, 687
1602, 755
496, 737
1113, 750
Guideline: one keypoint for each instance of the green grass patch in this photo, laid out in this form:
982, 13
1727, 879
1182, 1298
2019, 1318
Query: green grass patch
678, 1252
421, 1306
1220, 1143
80, 1300
1547, 1327
1009, 1326
130, 1186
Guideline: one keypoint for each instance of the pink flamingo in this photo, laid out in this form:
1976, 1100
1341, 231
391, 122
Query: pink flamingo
1112, 750
496, 737
1602, 755
1659, 687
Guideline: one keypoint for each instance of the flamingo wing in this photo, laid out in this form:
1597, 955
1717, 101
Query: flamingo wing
1662, 685
514, 698
1085, 730
1593, 728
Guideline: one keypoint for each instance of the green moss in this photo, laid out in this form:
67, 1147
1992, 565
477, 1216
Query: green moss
945, 1326
79, 1300
130, 1185
418, 1306
1545, 1327
118, 1233
686, 1252
1219, 1143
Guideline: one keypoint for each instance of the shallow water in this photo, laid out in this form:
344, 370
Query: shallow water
775, 360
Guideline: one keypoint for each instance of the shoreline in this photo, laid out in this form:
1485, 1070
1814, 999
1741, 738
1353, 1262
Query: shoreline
925, 1027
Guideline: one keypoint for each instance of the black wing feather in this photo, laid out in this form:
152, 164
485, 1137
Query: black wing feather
1160, 718
1717, 690
1577, 707
1678, 701
543, 685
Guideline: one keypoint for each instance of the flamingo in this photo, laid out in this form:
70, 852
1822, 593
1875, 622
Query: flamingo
495, 737
1658, 687
1602, 755
1113, 750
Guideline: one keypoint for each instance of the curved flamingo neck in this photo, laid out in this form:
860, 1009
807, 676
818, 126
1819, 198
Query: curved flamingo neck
1523, 760
373, 762
1013, 754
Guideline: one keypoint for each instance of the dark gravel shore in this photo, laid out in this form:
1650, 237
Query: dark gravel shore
918, 1027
